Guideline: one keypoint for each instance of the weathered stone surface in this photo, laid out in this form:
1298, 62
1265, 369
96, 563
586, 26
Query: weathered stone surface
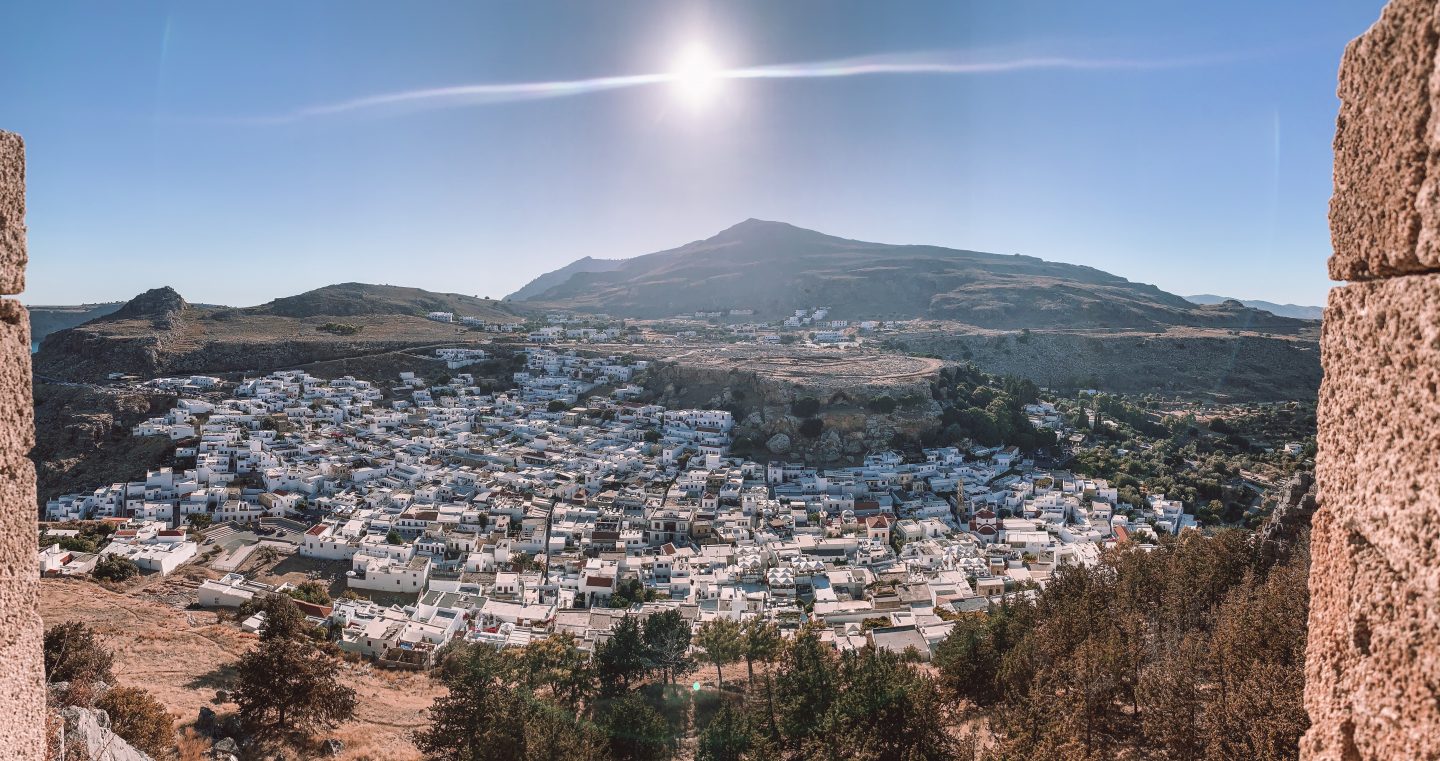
1373, 657
88, 734
779, 443
12, 213
22, 683
1385, 212
18, 535
17, 411
22, 680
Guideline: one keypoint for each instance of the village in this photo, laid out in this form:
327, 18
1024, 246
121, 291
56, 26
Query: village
448, 511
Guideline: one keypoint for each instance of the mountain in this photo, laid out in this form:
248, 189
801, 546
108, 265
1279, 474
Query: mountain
159, 333
775, 268
1296, 311
551, 279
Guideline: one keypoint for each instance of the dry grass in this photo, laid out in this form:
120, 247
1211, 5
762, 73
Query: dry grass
179, 656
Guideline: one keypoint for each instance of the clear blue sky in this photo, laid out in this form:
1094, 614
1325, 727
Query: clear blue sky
192, 144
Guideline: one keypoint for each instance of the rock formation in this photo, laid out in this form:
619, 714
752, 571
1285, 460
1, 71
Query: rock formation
87, 734
1373, 659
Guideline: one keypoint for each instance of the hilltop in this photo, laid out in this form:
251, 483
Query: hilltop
774, 268
1298, 311
158, 332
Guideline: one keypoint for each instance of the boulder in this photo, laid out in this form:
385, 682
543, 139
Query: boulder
331, 747
778, 444
87, 735
205, 723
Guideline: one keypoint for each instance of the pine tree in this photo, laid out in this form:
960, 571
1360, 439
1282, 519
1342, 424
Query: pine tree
667, 643
285, 682
622, 658
720, 638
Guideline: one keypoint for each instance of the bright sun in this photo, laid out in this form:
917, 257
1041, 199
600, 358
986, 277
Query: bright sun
696, 76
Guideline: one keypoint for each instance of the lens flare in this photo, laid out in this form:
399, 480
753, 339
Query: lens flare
697, 76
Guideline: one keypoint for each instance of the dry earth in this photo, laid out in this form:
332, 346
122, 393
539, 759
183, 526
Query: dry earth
179, 656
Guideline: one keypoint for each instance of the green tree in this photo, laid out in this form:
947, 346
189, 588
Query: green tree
286, 682
811, 427
760, 642
726, 738
393, 537
667, 643
115, 568
805, 406
805, 689
721, 641
558, 664
623, 657
474, 720
312, 591
636, 730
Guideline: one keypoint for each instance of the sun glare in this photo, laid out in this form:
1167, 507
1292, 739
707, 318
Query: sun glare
696, 76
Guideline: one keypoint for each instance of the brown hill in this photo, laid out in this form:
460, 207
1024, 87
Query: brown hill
774, 268
159, 333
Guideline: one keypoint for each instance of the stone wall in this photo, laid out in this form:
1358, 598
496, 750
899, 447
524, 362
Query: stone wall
22, 695
1373, 660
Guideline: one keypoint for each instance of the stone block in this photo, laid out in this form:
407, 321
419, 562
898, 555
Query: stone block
18, 533
17, 407
1373, 656
1380, 346
22, 687
12, 213
1372, 660
1385, 211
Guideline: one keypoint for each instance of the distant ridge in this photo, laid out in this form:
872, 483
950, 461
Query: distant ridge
774, 268
551, 279
1297, 311
158, 332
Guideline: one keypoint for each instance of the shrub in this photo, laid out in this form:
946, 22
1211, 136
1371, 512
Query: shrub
341, 328
812, 427
74, 654
882, 404
115, 568
310, 591
139, 718
805, 407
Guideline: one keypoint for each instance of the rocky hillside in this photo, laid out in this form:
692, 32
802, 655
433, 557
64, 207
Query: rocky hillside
159, 333
771, 418
1232, 365
774, 268
82, 437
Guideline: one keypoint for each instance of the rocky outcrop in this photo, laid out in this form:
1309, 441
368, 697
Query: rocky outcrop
158, 304
767, 425
84, 437
1373, 657
87, 735
1289, 522
22, 690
